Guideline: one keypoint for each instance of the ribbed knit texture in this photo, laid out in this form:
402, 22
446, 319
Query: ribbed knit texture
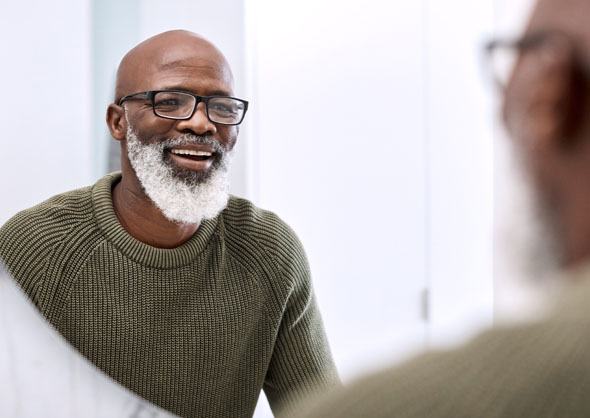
198, 329
537, 370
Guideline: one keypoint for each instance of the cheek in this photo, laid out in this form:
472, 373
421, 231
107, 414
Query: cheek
148, 125
229, 135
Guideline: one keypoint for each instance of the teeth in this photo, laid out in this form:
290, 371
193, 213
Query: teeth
191, 152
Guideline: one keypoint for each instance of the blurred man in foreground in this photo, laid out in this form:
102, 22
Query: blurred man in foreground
539, 369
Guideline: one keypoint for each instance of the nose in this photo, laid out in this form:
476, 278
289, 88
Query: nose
198, 124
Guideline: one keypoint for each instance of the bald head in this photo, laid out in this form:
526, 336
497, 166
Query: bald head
152, 64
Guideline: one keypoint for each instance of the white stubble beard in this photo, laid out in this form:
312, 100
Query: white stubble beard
180, 200
528, 241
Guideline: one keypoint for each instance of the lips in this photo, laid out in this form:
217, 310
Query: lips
194, 157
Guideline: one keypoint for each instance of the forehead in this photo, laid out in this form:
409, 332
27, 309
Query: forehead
196, 68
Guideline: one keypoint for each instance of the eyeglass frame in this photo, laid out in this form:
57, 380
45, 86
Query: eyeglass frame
526, 42
150, 94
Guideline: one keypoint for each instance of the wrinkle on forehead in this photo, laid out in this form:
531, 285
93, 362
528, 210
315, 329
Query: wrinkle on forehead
167, 52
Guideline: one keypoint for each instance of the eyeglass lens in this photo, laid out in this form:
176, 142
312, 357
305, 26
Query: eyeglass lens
180, 105
528, 53
503, 60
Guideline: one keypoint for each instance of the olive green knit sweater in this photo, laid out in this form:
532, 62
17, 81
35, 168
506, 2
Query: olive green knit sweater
539, 370
198, 329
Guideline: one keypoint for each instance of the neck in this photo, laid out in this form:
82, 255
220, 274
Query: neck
143, 220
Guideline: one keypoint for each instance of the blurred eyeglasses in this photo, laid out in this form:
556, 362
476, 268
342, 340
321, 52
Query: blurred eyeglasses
503, 54
181, 105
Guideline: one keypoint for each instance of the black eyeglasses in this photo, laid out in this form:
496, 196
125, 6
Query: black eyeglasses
503, 54
181, 105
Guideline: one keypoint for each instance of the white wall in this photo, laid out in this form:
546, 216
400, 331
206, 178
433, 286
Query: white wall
460, 169
46, 99
373, 132
339, 130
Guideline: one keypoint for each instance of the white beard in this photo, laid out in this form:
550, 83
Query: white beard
186, 200
528, 242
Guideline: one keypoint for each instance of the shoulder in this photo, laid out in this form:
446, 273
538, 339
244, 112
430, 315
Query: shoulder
242, 217
56, 212
265, 234
506, 371
32, 231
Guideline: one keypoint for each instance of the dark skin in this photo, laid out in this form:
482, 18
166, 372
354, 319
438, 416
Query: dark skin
547, 112
173, 60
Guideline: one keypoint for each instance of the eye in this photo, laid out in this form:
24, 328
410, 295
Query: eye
224, 105
172, 99
224, 108
167, 102
173, 104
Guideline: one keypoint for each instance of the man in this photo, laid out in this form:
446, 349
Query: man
190, 299
542, 368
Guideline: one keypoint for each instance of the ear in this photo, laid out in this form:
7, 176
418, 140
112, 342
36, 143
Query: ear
544, 99
116, 121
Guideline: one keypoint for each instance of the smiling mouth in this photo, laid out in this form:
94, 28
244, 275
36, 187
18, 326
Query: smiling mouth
192, 154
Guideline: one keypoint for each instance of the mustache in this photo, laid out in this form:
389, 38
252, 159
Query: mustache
189, 139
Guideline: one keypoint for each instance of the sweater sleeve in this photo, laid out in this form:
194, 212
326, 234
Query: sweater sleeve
301, 364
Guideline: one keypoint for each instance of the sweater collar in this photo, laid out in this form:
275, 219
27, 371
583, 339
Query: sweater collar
138, 251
